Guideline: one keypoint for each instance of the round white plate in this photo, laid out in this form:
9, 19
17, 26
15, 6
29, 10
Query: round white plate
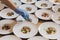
40, 12
32, 7
56, 8
55, 17
3, 22
39, 3
1, 6
28, 1
17, 2
17, 30
37, 38
53, 1
44, 26
33, 18
4, 12
10, 37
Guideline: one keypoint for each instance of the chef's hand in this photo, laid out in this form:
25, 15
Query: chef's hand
20, 11
23, 13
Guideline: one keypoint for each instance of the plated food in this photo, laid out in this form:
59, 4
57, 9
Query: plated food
44, 14
56, 17
56, 8
25, 30
8, 13
43, 4
49, 30
38, 38
10, 37
17, 2
29, 8
28, 1
6, 26
55, 1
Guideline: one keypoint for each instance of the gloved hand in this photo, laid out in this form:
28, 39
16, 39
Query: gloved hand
23, 13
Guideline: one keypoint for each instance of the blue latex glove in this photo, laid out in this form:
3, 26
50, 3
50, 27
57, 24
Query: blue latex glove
23, 13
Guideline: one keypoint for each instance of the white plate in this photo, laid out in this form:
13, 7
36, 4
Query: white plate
25, 1
37, 38
53, 1
1, 6
10, 37
39, 3
56, 8
5, 11
33, 8
44, 26
3, 22
17, 2
55, 17
17, 30
41, 11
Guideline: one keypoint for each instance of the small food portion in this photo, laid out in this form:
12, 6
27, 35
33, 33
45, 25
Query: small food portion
51, 30
10, 13
28, 9
57, 1
6, 27
58, 9
25, 30
59, 18
45, 15
28, 0
44, 5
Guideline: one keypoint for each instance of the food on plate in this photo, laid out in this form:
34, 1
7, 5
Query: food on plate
28, 9
51, 30
44, 5
10, 13
45, 15
28, 0
25, 30
57, 1
6, 27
